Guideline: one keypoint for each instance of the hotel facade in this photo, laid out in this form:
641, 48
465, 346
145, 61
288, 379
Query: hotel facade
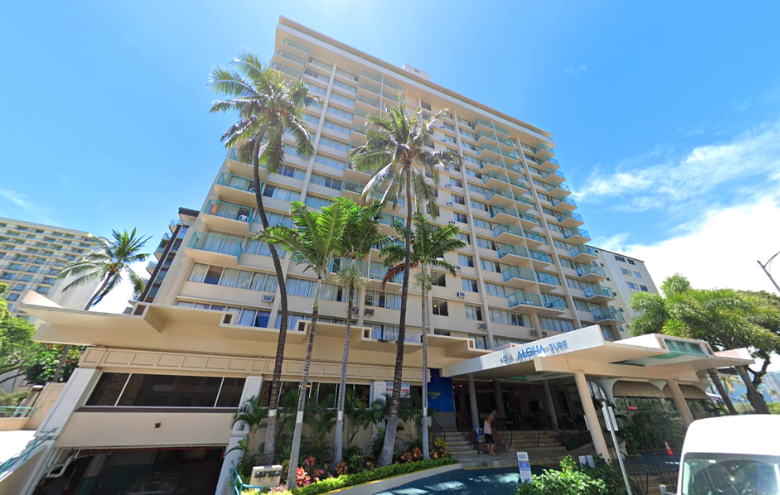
525, 326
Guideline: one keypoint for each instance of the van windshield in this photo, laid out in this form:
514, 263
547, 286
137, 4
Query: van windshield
730, 474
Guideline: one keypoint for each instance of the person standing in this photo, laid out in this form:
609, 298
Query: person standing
487, 428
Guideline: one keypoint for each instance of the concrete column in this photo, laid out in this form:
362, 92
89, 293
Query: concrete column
679, 401
73, 396
252, 387
550, 403
499, 398
590, 414
473, 401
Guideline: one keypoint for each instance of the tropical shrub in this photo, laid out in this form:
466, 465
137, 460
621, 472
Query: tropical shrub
573, 479
648, 431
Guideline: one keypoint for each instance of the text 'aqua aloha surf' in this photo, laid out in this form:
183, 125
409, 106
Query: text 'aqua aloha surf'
518, 355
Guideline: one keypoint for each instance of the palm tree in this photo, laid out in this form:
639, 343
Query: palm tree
107, 263
396, 157
268, 106
361, 233
724, 318
251, 414
313, 242
428, 249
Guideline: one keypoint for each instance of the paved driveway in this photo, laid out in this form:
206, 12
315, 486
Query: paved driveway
460, 482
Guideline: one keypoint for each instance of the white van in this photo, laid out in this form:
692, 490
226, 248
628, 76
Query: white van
731, 455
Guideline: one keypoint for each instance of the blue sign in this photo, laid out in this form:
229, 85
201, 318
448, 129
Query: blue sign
528, 352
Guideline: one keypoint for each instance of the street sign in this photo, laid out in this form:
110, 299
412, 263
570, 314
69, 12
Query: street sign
524, 466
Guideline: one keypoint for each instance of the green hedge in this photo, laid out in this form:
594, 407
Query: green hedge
371, 475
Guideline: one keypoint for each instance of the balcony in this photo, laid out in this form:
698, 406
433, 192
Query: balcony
489, 150
493, 179
367, 103
540, 259
598, 293
484, 125
506, 142
524, 203
290, 73
507, 233
532, 238
496, 196
387, 220
488, 164
522, 298
482, 136
510, 253
576, 234
518, 186
562, 203
338, 265
583, 253
551, 162
502, 214
519, 278
569, 219
291, 57
591, 273
551, 174
214, 248
352, 189
549, 281
552, 305
527, 221
543, 148
556, 188
378, 271
235, 188
607, 314
359, 129
239, 167
228, 217
363, 114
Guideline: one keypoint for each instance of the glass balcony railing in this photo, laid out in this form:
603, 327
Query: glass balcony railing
510, 154
363, 113
543, 159
583, 270
581, 249
556, 185
501, 130
542, 147
229, 210
494, 191
597, 290
388, 219
285, 70
516, 272
354, 187
554, 302
338, 265
562, 199
485, 123
296, 45
490, 161
563, 215
359, 129
496, 210
528, 218
523, 298
518, 183
522, 199
289, 56
378, 271
540, 256
488, 147
371, 76
234, 155
506, 142
511, 249
368, 101
529, 234
602, 313
493, 175
370, 87
216, 243
237, 182
547, 278
550, 172
571, 232
510, 229
485, 134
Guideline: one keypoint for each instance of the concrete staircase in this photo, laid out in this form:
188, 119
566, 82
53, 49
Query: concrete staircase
458, 442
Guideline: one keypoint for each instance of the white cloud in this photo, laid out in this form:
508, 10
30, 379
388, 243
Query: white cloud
722, 252
30, 211
576, 69
117, 300
675, 183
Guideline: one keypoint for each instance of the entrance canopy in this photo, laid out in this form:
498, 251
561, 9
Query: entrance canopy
652, 356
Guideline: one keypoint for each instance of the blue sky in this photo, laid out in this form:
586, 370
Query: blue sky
666, 114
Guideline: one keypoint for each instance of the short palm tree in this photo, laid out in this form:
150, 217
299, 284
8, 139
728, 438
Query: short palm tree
267, 107
107, 263
428, 249
396, 157
361, 233
313, 241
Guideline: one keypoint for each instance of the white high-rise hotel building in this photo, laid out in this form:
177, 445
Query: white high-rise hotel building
524, 327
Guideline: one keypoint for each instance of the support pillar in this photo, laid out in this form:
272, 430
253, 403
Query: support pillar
473, 402
590, 414
499, 398
679, 401
550, 403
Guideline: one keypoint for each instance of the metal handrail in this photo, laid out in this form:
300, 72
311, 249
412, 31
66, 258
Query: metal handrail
25, 454
238, 484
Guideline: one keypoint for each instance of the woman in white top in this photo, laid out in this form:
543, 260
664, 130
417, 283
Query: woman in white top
487, 429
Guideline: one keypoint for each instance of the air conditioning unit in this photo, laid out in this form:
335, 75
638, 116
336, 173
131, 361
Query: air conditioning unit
457, 267
534, 333
482, 326
268, 298
461, 294
368, 312
354, 310
544, 334
448, 186
450, 203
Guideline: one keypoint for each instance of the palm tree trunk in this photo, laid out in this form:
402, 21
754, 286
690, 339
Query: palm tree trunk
386, 456
338, 440
715, 379
753, 395
66, 349
426, 448
269, 448
296, 442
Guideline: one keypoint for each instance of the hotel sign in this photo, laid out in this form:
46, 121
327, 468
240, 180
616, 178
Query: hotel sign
520, 354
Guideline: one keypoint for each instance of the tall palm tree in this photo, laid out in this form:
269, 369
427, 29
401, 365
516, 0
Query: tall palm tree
313, 241
361, 233
107, 263
267, 107
428, 249
396, 157
726, 319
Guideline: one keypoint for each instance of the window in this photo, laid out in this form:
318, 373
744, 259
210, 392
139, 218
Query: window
473, 313
343, 99
573, 283
555, 325
582, 305
479, 341
440, 307
486, 243
136, 390
12, 297
438, 279
460, 217
380, 299
495, 289
631, 262
465, 238
15, 266
456, 182
469, 285
510, 318
445, 333
281, 194
466, 260
447, 126
425, 105
478, 205
620, 258
637, 275
338, 127
490, 266
625, 271
384, 332
633, 285
317, 202
328, 182
330, 162
332, 143
292, 172
644, 288
19, 287
458, 199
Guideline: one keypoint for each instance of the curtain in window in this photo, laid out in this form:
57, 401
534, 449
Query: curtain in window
244, 280
229, 277
198, 273
247, 318
258, 279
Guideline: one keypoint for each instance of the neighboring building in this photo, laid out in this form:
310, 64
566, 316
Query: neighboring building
160, 386
166, 251
625, 277
32, 255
